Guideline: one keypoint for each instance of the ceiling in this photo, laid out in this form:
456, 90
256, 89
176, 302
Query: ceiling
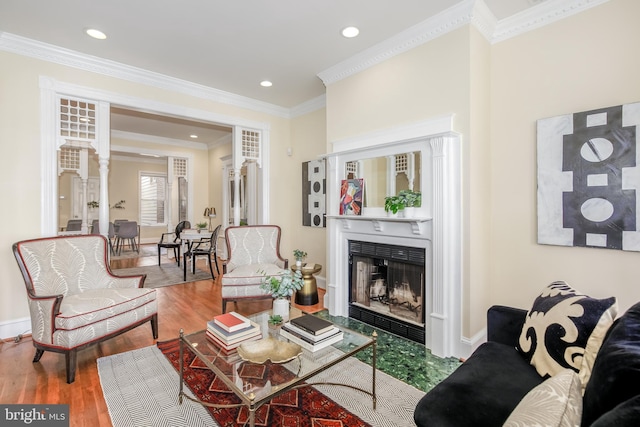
226, 45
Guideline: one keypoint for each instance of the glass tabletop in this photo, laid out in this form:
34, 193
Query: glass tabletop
256, 382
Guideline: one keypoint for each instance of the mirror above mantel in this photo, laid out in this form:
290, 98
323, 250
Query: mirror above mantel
386, 169
384, 176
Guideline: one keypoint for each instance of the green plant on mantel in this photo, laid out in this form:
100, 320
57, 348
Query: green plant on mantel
411, 198
393, 204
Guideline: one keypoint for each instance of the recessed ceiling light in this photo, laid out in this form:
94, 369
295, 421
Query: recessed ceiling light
96, 34
266, 83
350, 32
194, 136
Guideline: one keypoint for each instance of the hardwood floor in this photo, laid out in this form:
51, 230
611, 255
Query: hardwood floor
188, 306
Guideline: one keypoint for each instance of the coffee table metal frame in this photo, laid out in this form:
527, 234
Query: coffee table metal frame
250, 400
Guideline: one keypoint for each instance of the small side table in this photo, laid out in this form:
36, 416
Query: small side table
308, 295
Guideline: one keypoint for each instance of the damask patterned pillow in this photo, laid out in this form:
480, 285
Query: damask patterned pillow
557, 402
556, 332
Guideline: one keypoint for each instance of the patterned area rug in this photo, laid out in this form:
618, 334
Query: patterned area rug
164, 275
145, 251
304, 406
141, 389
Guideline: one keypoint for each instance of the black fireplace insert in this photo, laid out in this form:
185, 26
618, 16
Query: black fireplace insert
387, 286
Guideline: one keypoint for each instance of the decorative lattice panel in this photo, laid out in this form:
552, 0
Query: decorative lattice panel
402, 165
250, 144
69, 159
180, 167
352, 167
77, 119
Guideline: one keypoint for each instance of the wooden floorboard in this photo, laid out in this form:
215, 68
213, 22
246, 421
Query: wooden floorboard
188, 306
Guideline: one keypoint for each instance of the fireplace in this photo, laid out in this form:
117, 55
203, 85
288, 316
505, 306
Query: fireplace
433, 312
387, 286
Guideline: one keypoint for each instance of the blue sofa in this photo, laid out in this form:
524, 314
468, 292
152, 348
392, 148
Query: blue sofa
487, 387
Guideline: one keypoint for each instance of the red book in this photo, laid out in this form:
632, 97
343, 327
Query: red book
231, 321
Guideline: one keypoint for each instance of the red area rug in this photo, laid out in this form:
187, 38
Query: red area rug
302, 407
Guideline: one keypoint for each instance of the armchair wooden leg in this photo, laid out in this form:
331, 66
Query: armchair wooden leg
38, 355
224, 306
154, 326
71, 359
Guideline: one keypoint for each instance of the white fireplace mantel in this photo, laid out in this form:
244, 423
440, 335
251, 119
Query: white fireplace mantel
437, 228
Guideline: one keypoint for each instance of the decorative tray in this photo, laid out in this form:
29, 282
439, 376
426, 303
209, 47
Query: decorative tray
269, 349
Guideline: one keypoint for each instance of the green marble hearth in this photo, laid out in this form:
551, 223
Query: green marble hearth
405, 360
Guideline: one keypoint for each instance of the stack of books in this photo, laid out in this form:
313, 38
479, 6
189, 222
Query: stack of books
311, 332
231, 329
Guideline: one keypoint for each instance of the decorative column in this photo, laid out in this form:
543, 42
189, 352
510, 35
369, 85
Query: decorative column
236, 196
446, 244
169, 193
84, 178
251, 200
103, 212
102, 144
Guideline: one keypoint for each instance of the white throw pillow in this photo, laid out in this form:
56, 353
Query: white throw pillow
556, 402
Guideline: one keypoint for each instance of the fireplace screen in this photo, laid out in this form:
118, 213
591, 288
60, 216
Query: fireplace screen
388, 287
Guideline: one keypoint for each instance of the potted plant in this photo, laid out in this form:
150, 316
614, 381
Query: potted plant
281, 287
299, 255
412, 199
201, 226
393, 204
275, 320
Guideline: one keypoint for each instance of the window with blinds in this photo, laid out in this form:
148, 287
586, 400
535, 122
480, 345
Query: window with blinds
152, 199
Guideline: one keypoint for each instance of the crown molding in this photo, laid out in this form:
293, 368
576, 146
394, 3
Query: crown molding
309, 106
227, 139
540, 15
474, 12
50, 53
137, 159
434, 27
132, 136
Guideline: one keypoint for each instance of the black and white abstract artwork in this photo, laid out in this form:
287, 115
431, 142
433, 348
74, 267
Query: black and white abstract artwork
588, 179
313, 194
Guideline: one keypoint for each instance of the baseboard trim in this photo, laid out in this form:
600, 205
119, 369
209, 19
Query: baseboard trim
14, 328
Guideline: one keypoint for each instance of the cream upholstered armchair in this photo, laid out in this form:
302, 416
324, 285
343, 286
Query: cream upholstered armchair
253, 251
75, 300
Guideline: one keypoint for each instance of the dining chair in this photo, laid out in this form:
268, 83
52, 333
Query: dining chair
74, 225
127, 231
174, 244
95, 226
205, 247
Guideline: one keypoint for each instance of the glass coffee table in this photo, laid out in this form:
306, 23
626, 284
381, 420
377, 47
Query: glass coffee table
253, 391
